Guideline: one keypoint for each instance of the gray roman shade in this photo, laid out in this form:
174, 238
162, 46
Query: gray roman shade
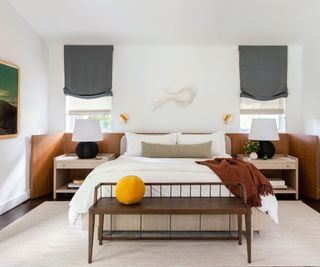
263, 72
88, 70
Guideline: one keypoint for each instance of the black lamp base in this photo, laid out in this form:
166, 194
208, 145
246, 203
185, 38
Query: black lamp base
87, 150
266, 150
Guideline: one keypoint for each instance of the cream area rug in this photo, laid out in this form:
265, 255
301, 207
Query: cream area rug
43, 237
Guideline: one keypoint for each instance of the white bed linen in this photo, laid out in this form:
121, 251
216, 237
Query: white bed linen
153, 170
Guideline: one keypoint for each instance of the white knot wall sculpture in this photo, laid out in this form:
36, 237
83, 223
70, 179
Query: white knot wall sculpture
183, 98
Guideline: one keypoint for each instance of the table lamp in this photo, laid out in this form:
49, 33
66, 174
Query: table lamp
87, 132
264, 131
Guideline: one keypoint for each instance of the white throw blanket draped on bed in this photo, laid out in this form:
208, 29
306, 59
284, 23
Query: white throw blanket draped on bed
151, 170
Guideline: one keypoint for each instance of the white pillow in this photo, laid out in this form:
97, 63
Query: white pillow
134, 141
218, 146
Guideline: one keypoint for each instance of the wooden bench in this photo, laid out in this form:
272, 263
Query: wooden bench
172, 205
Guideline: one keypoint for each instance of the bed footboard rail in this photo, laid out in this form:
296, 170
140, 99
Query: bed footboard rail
214, 189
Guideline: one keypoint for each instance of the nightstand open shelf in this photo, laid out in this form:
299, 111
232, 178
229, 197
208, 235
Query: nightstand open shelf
284, 166
69, 166
65, 189
285, 191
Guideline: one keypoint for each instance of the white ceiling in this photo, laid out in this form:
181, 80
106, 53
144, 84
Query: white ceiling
173, 22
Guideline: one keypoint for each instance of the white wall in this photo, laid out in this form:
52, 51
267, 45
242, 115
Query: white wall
19, 44
294, 102
311, 87
57, 100
140, 74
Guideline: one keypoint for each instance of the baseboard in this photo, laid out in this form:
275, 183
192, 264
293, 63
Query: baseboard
13, 202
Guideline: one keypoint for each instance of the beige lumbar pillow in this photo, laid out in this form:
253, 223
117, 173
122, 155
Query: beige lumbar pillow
202, 150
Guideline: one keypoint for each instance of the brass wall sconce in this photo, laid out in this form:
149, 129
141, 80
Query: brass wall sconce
123, 118
227, 118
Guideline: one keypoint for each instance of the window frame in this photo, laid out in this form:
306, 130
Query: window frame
278, 113
72, 115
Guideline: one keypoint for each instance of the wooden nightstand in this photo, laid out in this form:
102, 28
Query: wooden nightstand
280, 166
69, 166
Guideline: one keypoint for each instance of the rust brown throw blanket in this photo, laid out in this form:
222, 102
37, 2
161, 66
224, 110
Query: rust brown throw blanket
236, 170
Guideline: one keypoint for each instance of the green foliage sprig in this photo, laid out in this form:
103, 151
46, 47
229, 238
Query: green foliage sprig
251, 146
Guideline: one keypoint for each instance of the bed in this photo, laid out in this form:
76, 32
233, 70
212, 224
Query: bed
155, 170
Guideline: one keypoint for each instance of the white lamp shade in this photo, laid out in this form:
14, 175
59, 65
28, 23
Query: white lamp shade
87, 131
263, 130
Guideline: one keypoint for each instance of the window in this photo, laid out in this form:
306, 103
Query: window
250, 108
95, 108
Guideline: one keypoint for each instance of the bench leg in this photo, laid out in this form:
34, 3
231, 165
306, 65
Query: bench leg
240, 228
248, 235
100, 233
90, 236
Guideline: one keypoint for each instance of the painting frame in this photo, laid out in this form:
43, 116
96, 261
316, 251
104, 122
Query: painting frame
17, 99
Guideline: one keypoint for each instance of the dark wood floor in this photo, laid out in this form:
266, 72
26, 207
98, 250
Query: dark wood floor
28, 205
25, 207
315, 204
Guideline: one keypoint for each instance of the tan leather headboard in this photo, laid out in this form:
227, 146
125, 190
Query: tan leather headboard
123, 144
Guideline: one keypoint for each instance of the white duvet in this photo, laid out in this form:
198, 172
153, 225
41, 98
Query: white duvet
151, 170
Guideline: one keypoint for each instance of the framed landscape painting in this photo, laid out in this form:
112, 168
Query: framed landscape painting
9, 99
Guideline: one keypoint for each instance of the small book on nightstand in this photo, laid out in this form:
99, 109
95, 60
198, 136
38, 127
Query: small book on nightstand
73, 186
278, 183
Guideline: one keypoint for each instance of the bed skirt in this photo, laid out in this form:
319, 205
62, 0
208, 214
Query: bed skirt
161, 222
